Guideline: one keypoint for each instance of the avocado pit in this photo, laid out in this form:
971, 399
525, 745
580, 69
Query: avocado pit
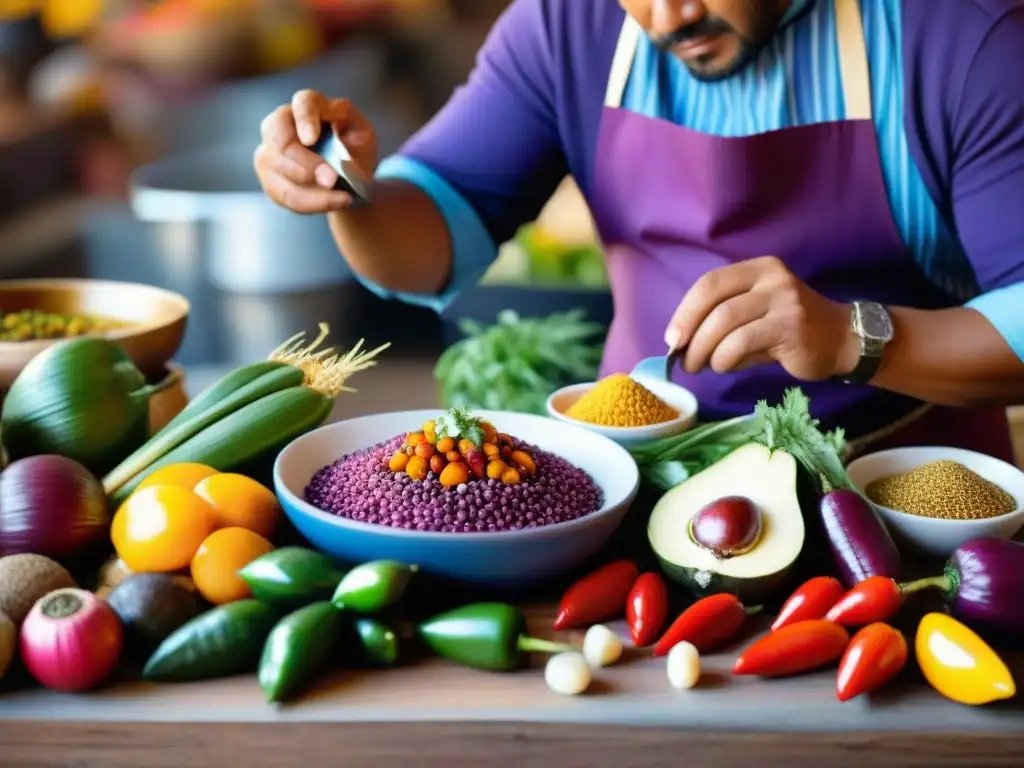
727, 527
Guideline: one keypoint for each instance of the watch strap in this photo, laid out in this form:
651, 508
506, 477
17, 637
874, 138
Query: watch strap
871, 351
865, 371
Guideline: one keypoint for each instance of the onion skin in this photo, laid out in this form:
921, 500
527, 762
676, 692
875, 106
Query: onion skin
71, 641
860, 543
986, 587
51, 506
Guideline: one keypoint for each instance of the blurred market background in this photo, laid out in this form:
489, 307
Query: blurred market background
102, 99
126, 136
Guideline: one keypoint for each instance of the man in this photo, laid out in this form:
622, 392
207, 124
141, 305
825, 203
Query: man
816, 192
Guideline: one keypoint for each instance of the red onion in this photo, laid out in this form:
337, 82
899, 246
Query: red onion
51, 506
71, 640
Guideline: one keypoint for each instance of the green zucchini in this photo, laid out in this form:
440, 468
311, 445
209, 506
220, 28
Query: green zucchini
223, 388
269, 423
292, 364
282, 377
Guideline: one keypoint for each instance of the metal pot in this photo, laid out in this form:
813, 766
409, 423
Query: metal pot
209, 201
205, 201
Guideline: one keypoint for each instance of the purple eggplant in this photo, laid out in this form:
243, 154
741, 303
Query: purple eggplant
860, 543
983, 584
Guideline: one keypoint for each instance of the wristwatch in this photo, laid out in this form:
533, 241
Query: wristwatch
871, 323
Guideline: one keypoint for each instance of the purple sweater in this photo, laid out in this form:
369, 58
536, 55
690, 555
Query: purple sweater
530, 113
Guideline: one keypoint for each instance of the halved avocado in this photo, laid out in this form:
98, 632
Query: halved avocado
769, 480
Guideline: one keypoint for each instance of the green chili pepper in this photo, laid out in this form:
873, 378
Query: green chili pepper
372, 587
222, 642
484, 636
292, 575
298, 646
379, 643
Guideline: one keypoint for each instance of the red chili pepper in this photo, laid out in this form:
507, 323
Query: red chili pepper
794, 649
597, 597
877, 598
647, 609
874, 657
706, 624
812, 600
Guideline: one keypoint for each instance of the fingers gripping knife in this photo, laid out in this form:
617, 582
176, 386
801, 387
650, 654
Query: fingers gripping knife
350, 178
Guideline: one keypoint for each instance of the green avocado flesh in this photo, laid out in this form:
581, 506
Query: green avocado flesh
769, 480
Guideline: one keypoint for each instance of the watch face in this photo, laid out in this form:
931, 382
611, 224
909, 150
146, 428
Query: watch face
874, 322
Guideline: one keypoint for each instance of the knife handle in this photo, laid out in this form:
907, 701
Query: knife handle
351, 179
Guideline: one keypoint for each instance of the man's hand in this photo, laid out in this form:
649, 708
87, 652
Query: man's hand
293, 176
756, 312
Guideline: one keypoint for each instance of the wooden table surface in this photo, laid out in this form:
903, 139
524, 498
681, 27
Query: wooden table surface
433, 713
436, 713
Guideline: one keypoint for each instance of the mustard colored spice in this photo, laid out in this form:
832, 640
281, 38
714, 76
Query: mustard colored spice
942, 489
620, 401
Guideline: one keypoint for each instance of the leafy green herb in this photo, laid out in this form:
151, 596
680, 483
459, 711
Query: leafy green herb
516, 363
789, 427
458, 423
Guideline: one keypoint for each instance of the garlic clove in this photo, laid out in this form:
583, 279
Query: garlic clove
683, 666
567, 673
601, 646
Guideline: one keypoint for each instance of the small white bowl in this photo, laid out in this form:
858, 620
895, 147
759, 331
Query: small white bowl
680, 398
933, 536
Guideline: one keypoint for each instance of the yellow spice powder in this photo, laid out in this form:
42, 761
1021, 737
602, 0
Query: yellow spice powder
943, 489
620, 401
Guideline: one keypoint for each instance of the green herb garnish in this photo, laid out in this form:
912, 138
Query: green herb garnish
788, 427
516, 363
459, 423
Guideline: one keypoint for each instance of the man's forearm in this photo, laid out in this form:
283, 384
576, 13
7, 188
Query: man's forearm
399, 241
948, 357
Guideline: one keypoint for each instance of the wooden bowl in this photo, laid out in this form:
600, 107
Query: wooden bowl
170, 401
157, 319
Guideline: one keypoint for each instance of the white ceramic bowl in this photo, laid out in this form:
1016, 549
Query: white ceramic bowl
506, 559
932, 536
680, 398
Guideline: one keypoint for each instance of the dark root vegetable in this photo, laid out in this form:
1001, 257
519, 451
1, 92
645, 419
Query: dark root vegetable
151, 606
727, 527
51, 506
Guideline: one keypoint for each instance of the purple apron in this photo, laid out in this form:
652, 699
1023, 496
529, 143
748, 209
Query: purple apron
672, 204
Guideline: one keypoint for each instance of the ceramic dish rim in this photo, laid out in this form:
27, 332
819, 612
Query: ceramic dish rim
624, 432
524, 533
950, 522
184, 307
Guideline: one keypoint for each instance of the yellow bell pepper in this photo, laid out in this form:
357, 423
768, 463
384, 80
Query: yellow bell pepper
959, 664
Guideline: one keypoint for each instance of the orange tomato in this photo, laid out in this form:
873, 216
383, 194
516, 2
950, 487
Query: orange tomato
158, 529
215, 566
185, 475
239, 501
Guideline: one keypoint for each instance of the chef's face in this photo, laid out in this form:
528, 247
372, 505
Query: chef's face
713, 38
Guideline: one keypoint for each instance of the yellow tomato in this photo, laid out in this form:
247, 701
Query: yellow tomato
239, 501
184, 475
159, 529
215, 566
959, 664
